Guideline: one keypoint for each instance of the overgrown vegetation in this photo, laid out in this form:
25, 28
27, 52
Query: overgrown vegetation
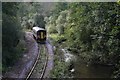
93, 29
18, 18
60, 69
90, 30
11, 35
32, 14
0, 37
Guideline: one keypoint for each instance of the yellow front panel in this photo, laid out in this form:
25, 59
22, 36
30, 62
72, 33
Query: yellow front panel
41, 35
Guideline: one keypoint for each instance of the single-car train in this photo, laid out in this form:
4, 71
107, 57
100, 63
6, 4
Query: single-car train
39, 34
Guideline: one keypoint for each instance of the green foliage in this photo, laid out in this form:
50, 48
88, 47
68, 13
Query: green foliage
11, 34
39, 20
60, 69
57, 37
51, 25
31, 15
60, 22
37, 7
98, 37
117, 72
9, 8
1, 37
93, 29
59, 7
36, 11
52, 28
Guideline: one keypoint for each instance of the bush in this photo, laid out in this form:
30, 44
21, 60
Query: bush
11, 34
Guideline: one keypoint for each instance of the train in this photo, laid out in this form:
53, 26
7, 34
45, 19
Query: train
39, 34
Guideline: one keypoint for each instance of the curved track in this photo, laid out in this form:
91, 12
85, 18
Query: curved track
39, 67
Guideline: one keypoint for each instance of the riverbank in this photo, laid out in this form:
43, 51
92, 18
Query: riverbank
80, 67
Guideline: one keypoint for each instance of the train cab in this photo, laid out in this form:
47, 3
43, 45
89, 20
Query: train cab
39, 34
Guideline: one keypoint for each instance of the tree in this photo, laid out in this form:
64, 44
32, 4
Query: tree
39, 20
93, 29
11, 34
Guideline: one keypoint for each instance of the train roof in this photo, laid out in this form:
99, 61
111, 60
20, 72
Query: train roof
37, 28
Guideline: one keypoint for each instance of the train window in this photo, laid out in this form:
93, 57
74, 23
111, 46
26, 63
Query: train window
41, 35
45, 35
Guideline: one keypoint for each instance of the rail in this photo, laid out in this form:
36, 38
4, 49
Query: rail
39, 56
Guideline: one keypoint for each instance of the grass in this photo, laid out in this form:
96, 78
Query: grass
56, 37
60, 69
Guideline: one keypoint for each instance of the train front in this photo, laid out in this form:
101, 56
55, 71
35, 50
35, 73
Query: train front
39, 34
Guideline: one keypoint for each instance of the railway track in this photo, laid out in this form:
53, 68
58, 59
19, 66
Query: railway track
39, 67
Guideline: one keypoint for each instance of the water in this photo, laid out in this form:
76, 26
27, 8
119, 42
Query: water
67, 56
82, 70
92, 71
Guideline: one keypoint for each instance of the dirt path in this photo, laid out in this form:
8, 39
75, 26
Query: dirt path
21, 68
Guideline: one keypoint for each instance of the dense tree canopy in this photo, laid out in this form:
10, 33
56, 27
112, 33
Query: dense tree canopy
31, 14
16, 18
11, 33
90, 30
93, 30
